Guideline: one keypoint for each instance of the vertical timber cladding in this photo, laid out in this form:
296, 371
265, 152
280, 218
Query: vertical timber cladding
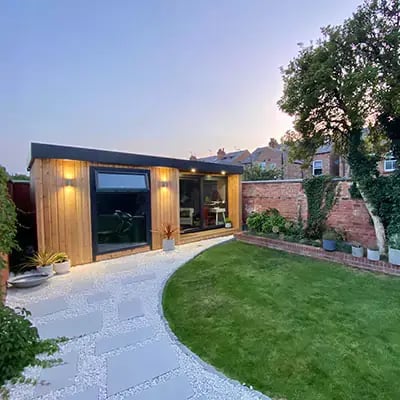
63, 210
164, 202
235, 200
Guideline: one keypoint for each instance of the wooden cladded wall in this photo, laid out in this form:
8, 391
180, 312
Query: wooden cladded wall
63, 213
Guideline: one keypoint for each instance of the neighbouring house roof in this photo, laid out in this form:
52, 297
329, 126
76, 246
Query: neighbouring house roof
327, 148
52, 151
258, 155
229, 158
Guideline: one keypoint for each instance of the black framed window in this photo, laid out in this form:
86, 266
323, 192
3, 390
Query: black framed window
120, 209
203, 202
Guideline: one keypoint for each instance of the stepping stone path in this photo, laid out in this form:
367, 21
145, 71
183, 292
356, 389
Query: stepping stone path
137, 366
130, 309
127, 356
72, 327
178, 388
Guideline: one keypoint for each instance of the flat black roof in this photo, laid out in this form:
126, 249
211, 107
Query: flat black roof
52, 151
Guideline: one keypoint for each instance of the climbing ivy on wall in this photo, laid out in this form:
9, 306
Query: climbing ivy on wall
321, 196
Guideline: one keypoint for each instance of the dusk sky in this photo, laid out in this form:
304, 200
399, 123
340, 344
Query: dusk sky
161, 77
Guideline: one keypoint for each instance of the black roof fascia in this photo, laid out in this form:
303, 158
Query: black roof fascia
52, 151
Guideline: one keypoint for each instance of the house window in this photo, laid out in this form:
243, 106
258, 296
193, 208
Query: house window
317, 167
263, 165
272, 165
389, 164
203, 202
120, 209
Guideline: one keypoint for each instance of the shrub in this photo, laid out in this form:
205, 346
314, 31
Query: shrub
20, 344
329, 235
394, 241
269, 221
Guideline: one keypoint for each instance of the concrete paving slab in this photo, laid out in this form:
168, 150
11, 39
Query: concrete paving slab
59, 376
89, 394
72, 327
178, 388
106, 344
46, 307
139, 278
130, 368
130, 309
97, 297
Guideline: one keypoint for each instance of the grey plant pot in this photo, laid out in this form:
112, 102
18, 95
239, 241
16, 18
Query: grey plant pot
329, 245
373, 255
62, 268
357, 251
168, 244
46, 269
394, 256
228, 225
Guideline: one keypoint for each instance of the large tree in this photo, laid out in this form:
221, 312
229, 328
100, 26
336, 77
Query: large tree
348, 81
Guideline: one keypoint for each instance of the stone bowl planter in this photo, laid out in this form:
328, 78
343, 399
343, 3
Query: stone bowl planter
373, 254
28, 280
357, 251
168, 244
329, 245
46, 269
394, 256
62, 267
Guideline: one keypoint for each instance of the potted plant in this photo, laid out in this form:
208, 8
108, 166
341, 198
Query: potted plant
62, 263
357, 250
373, 252
394, 249
329, 240
43, 261
168, 240
228, 223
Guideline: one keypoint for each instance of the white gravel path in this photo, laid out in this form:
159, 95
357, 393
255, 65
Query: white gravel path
97, 291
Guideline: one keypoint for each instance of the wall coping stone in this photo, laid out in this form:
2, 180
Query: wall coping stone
297, 180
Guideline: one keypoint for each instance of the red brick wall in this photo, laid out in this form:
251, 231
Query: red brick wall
288, 197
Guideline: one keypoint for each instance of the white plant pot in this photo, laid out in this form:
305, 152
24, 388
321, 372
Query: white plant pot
228, 225
46, 269
62, 267
394, 256
168, 244
373, 255
357, 251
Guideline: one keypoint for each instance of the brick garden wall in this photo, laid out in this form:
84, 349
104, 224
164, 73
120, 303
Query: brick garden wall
287, 196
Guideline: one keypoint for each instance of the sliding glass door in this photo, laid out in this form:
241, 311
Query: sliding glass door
120, 209
203, 202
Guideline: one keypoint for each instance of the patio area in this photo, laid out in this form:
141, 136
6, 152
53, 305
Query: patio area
120, 347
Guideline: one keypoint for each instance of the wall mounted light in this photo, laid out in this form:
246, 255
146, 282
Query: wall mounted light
68, 182
164, 184
223, 172
193, 170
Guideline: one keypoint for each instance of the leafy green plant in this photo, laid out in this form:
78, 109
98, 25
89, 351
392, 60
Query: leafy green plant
8, 219
228, 220
268, 221
321, 195
43, 258
21, 344
329, 235
256, 173
394, 241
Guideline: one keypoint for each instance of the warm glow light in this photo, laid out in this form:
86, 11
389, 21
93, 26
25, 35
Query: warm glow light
164, 184
223, 172
193, 170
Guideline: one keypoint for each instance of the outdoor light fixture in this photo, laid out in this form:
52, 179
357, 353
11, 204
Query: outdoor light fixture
193, 170
68, 182
223, 172
164, 184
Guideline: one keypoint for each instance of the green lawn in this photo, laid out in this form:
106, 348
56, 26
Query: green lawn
293, 327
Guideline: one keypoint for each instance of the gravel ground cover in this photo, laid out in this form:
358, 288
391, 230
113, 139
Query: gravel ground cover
120, 346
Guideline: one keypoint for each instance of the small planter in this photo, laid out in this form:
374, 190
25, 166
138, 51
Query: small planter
373, 254
357, 251
62, 267
46, 269
394, 256
329, 245
168, 244
228, 224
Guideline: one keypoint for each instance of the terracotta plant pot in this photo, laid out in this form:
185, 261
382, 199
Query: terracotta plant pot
168, 244
62, 267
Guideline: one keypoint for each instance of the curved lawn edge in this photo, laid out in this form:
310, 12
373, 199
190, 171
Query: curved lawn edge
182, 346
